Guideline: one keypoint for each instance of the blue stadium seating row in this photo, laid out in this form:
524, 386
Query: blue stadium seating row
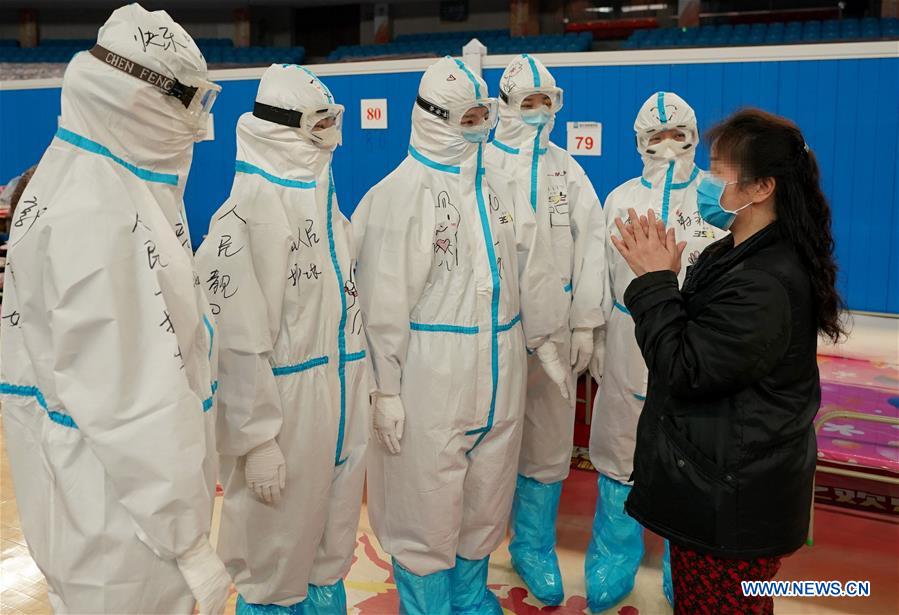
254, 55
766, 34
216, 51
442, 36
450, 43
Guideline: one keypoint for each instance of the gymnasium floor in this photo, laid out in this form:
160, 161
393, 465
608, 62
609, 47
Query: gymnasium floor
848, 547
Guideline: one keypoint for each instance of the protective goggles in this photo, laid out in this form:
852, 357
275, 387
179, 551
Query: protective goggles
197, 99
466, 114
516, 99
306, 120
644, 138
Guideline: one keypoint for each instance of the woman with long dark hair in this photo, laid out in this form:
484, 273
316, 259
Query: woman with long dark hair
726, 450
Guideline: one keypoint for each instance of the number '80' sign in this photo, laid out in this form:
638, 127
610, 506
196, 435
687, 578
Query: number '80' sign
374, 113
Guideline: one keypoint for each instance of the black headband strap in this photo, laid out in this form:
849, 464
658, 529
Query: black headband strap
169, 85
277, 115
431, 108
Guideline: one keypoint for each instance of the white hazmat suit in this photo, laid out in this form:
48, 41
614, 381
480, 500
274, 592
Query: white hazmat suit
277, 267
667, 186
455, 284
108, 356
570, 219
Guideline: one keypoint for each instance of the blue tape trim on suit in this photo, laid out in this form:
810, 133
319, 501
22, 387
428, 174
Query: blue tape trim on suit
446, 168
502, 146
327, 91
535, 163
442, 328
666, 195
241, 166
461, 330
341, 327
509, 325
286, 370
567, 288
354, 356
95, 148
622, 308
639, 397
534, 73
494, 300
474, 82
17, 390
660, 104
207, 403
685, 184
535, 158
679, 186
211, 333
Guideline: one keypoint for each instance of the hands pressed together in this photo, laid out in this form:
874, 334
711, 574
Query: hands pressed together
647, 245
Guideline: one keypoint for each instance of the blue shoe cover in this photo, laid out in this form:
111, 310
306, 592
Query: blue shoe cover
667, 585
471, 596
423, 595
325, 600
320, 600
615, 550
533, 545
249, 608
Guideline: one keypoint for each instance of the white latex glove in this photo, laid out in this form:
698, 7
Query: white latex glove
388, 419
206, 577
581, 349
598, 360
555, 369
266, 472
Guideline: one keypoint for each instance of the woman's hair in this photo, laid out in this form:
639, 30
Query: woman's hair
762, 145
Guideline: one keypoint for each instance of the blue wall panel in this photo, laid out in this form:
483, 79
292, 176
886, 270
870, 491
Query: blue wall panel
846, 108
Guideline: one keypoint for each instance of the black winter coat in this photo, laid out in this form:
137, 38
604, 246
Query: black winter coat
725, 453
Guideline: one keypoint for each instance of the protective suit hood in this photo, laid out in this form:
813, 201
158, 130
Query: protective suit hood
133, 119
523, 73
278, 266
284, 150
666, 111
120, 399
448, 82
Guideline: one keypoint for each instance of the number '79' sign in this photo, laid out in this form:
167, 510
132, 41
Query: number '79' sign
584, 138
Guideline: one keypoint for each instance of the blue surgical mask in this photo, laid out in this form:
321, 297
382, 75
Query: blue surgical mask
536, 117
479, 134
708, 198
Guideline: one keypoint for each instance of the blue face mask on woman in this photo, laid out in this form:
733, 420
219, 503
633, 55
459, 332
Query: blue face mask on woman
708, 198
536, 117
476, 134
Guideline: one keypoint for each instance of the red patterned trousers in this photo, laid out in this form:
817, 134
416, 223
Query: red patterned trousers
705, 584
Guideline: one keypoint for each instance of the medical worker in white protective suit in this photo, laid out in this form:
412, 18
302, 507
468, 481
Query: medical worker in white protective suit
570, 218
666, 136
455, 285
294, 396
108, 357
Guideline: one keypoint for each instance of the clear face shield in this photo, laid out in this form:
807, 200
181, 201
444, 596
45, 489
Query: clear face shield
323, 126
664, 143
199, 106
536, 106
474, 120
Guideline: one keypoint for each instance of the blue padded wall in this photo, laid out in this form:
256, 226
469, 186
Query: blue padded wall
846, 109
